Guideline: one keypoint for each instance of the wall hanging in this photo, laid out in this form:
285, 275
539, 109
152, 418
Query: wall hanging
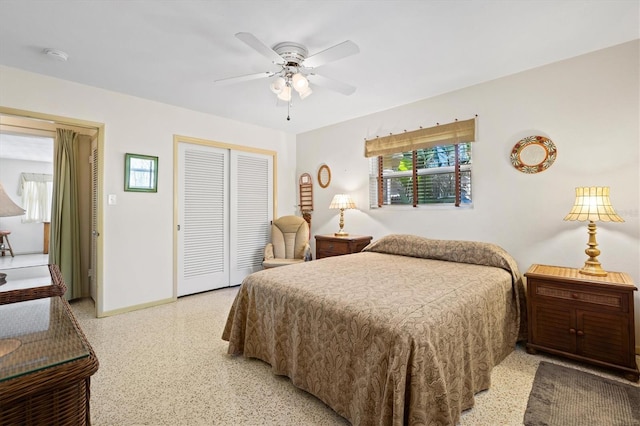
140, 173
306, 196
533, 154
324, 176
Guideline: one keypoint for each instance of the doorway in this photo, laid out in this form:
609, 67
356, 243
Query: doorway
20, 122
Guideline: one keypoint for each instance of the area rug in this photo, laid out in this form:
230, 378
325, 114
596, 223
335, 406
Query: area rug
563, 396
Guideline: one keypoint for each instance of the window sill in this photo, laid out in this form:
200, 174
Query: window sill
424, 207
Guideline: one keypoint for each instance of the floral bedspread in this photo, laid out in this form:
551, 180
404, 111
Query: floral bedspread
405, 332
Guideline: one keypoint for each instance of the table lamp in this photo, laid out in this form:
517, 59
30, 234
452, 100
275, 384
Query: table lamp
342, 201
7, 208
593, 204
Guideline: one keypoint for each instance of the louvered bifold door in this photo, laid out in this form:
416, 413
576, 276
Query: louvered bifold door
93, 268
251, 211
203, 219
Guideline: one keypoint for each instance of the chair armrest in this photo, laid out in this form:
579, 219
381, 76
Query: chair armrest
268, 252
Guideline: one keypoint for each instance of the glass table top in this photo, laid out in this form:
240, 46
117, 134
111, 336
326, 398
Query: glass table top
24, 271
35, 335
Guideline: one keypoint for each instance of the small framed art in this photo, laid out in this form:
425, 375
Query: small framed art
140, 173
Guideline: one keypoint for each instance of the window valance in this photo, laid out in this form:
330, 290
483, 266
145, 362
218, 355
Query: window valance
443, 134
33, 177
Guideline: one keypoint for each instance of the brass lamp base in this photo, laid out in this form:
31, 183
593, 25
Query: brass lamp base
592, 265
341, 232
591, 269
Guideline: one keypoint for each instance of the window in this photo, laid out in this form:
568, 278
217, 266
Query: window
36, 190
422, 167
435, 182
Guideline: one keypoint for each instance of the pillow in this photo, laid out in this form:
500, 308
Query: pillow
473, 252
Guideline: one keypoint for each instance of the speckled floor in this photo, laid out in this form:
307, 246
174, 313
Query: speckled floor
167, 365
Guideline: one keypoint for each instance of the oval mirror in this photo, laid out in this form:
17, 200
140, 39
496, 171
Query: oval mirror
324, 176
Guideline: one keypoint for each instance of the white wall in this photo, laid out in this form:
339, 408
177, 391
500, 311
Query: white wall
588, 106
138, 230
25, 237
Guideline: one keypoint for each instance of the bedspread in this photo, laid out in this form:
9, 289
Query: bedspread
405, 332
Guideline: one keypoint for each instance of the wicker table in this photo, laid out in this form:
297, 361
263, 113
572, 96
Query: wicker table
46, 366
21, 290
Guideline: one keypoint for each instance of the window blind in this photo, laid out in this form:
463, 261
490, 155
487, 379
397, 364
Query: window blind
444, 134
440, 175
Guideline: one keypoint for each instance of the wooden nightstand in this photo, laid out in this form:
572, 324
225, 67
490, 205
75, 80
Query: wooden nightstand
582, 317
330, 245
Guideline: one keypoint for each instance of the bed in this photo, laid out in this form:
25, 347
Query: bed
404, 332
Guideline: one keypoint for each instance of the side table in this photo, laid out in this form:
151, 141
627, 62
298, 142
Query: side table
331, 245
45, 363
582, 317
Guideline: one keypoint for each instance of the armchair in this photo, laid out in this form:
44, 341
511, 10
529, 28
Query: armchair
289, 242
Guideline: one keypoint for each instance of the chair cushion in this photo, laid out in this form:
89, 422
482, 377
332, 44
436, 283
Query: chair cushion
289, 236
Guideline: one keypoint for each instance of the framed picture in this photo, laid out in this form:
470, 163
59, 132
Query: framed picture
140, 173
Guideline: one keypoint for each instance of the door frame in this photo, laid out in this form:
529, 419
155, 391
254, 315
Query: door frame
177, 139
50, 122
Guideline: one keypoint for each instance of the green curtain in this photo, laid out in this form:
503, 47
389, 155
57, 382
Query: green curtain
64, 249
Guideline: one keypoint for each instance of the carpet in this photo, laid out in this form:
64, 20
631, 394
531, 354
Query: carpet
563, 396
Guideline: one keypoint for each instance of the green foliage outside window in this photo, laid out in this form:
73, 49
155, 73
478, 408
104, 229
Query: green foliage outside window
435, 168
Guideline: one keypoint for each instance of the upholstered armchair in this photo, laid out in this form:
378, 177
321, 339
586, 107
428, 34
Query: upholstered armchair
289, 242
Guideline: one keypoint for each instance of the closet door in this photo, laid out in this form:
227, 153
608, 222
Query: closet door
251, 207
203, 204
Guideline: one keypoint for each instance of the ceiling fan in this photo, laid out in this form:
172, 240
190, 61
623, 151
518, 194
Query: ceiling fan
297, 68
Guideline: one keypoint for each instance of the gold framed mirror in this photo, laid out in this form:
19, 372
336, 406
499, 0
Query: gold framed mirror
324, 176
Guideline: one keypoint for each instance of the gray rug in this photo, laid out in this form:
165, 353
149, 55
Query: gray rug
563, 396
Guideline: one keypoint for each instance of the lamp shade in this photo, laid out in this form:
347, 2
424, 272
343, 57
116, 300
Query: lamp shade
593, 204
342, 201
7, 206
299, 82
285, 94
277, 85
305, 92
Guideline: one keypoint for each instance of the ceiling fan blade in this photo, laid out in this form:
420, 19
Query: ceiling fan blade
261, 48
339, 51
246, 77
329, 83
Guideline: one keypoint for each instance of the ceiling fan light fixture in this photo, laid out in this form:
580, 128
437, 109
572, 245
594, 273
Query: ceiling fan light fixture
278, 85
299, 82
295, 62
304, 93
285, 94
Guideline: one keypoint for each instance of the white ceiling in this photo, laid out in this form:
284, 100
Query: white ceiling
172, 51
26, 147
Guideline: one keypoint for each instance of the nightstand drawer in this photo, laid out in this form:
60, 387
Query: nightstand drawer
331, 245
328, 248
610, 300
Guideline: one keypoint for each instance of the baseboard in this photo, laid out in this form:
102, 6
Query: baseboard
136, 307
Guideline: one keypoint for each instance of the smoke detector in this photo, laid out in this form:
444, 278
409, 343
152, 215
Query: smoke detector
56, 54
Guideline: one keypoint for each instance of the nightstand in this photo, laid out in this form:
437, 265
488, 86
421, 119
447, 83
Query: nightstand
330, 245
582, 317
